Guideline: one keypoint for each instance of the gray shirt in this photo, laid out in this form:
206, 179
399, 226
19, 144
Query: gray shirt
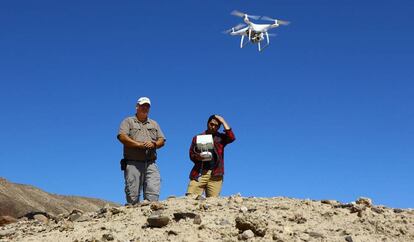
148, 130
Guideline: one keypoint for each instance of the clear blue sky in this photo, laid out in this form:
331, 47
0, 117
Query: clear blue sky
326, 112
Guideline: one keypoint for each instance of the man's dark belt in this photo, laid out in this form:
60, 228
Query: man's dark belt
137, 160
124, 163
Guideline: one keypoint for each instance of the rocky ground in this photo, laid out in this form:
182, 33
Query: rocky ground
231, 218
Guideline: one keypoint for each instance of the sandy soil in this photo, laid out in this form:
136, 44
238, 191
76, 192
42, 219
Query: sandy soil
231, 218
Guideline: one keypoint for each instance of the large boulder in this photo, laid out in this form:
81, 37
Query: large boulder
256, 224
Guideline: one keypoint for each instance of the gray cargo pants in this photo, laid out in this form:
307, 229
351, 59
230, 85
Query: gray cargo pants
142, 175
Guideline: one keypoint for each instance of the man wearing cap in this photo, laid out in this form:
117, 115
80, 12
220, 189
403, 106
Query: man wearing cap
141, 137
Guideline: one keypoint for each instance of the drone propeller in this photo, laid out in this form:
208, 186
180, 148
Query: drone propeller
280, 22
235, 28
241, 14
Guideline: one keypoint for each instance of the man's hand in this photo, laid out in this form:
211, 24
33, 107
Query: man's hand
149, 145
198, 157
219, 118
222, 121
128, 142
195, 156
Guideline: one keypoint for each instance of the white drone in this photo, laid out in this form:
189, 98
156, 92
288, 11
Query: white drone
255, 32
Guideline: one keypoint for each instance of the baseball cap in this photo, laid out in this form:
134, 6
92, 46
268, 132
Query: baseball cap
143, 100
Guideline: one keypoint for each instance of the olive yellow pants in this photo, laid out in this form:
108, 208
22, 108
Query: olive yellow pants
211, 185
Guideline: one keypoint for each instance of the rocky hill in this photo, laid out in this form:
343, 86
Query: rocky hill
231, 218
17, 200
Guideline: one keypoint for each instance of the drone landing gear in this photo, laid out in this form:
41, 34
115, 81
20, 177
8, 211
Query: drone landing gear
266, 45
242, 43
249, 34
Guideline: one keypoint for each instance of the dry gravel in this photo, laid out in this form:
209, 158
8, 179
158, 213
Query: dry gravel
231, 218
